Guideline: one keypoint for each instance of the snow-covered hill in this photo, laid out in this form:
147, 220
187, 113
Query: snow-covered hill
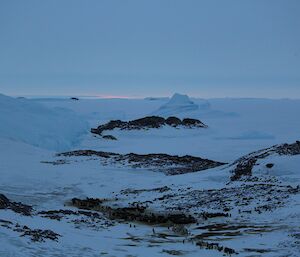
30, 122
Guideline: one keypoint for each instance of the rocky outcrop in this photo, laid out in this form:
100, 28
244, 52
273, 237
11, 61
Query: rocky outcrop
173, 121
169, 164
5, 203
244, 165
149, 122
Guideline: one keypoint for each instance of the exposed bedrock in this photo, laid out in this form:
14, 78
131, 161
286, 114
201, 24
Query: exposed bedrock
147, 123
169, 164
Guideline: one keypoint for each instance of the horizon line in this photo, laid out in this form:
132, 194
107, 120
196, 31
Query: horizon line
126, 97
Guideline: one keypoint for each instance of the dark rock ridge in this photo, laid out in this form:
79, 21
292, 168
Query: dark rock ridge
5, 203
245, 164
169, 164
147, 123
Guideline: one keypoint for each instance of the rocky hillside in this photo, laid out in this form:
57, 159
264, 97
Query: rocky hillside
244, 165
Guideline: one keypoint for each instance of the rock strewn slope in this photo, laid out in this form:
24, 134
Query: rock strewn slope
245, 164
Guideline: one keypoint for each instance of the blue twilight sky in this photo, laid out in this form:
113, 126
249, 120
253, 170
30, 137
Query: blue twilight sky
212, 48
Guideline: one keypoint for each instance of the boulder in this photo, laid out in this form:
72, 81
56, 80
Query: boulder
173, 121
193, 123
148, 122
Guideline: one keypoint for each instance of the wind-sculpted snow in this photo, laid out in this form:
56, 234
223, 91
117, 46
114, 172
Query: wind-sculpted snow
27, 121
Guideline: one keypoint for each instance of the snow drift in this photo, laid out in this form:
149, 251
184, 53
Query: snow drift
32, 123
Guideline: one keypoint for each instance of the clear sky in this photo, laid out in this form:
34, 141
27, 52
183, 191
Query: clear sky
212, 48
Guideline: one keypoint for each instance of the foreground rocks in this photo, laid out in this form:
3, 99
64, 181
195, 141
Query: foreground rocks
133, 213
38, 235
35, 235
23, 209
148, 123
207, 218
244, 165
216, 246
169, 164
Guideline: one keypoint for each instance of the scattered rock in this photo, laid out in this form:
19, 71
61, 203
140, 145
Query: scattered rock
39, 235
248, 198
36, 235
109, 137
216, 246
81, 218
136, 213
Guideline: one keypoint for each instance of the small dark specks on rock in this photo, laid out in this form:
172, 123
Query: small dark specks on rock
269, 165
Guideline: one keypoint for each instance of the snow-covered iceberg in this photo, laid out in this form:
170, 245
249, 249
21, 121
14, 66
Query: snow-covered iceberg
30, 122
177, 104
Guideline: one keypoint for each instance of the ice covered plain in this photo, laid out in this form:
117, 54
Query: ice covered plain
255, 213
